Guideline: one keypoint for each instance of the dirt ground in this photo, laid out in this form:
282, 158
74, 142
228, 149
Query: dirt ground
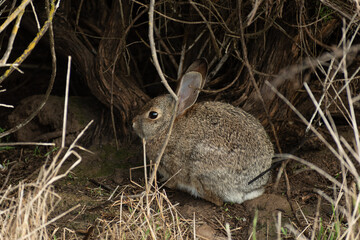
110, 171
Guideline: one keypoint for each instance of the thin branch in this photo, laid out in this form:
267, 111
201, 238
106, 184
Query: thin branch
146, 179
212, 35
6, 105
35, 15
12, 39
34, 42
26, 144
153, 50
78, 13
9, 19
172, 59
157, 161
52, 78
174, 19
182, 58
229, 85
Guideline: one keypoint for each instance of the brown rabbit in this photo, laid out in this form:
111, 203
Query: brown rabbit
214, 150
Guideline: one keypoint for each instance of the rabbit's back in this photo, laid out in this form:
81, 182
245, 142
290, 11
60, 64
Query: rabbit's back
216, 128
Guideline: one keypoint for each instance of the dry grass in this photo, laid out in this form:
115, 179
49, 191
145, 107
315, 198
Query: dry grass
155, 218
345, 197
26, 208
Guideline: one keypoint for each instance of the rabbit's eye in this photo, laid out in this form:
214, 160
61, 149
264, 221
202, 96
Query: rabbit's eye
153, 115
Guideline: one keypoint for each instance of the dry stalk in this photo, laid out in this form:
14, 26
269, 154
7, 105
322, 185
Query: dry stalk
66, 102
296, 233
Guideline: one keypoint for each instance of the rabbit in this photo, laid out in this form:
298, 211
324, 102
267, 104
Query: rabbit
215, 148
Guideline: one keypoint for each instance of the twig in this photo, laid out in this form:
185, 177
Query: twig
9, 64
196, 40
278, 226
309, 62
153, 50
146, 180
34, 42
113, 192
66, 103
333, 73
12, 38
52, 78
212, 35
296, 233
26, 144
101, 185
78, 13
228, 232
113, 122
157, 161
348, 92
6, 105
172, 59
182, 58
35, 15
219, 65
10, 18
251, 15
229, 85
174, 19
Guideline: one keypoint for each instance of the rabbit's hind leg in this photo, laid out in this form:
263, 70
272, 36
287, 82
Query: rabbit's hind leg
212, 197
253, 194
208, 194
197, 189
239, 197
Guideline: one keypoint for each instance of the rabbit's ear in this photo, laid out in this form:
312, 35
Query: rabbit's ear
190, 85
